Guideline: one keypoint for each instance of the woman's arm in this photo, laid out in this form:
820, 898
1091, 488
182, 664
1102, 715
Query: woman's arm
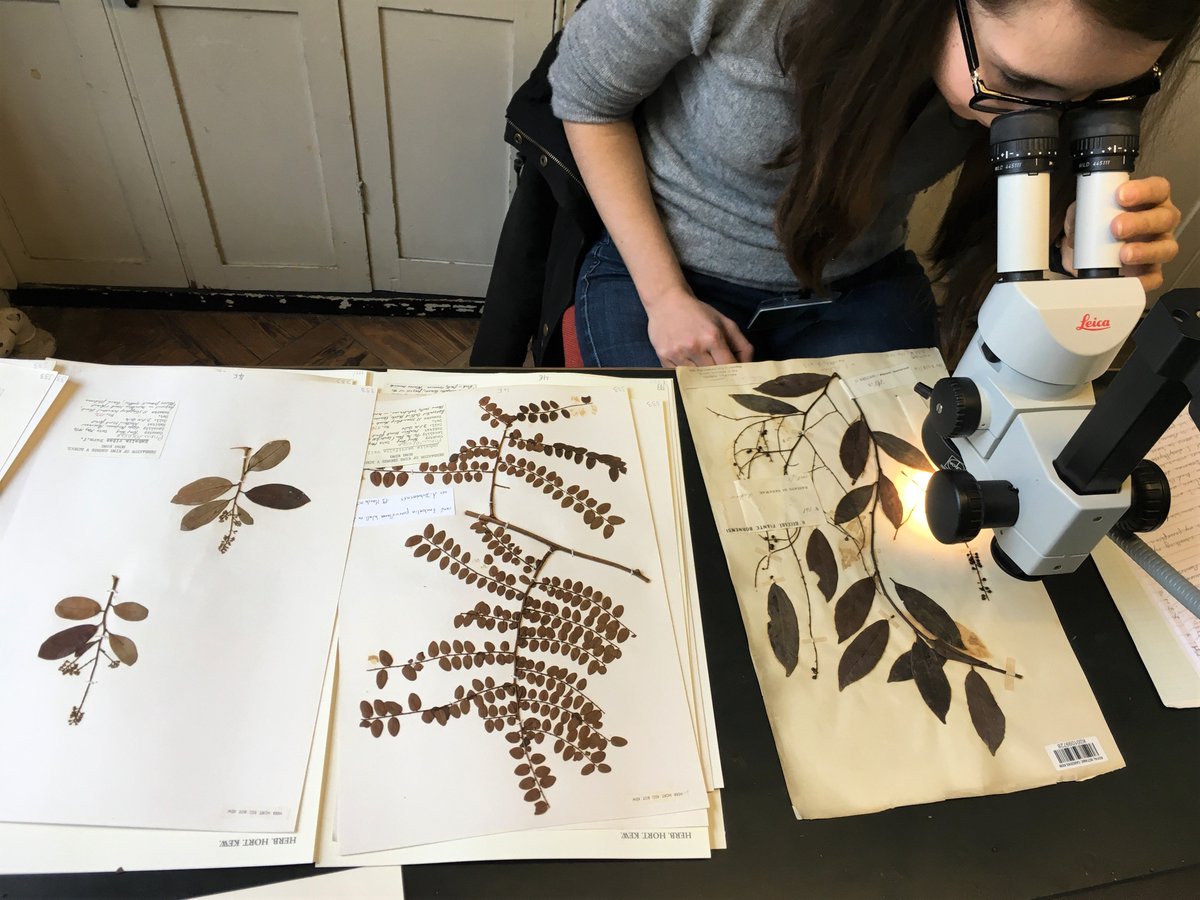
683, 330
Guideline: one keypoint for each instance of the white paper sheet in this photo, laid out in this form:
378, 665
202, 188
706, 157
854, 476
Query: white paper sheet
45, 849
1166, 634
211, 728
467, 784
383, 883
685, 597
25, 395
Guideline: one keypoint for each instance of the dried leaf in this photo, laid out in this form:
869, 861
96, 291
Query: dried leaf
268, 456
783, 629
414, 702
852, 505
902, 451
202, 490
277, 496
202, 515
244, 516
863, 653
76, 608
856, 444
795, 385
853, 607
889, 499
131, 612
931, 680
364, 709
764, 405
123, 648
376, 727
63, 643
986, 715
902, 668
929, 615
385, 658
819, 556
393, 726
381, 679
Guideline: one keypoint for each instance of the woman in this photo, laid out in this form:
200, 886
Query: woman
752, 159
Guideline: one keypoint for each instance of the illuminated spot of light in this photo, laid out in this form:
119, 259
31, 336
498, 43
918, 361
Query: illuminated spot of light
912, 495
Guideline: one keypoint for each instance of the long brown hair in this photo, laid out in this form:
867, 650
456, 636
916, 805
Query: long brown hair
857, 65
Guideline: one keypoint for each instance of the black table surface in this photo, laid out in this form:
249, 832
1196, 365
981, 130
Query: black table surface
1132, 833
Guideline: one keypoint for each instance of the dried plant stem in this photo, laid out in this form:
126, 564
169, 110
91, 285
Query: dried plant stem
555, 546
77, 712
816, 666
233, 509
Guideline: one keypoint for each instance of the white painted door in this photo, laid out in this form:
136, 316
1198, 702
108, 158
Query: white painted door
247, 111
430, 80
79, 203
1174, 151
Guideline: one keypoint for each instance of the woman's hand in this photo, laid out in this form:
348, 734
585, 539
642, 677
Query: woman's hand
1148, 228
688, 332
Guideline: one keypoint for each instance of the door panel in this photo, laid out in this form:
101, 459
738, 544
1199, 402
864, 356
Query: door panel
79, 203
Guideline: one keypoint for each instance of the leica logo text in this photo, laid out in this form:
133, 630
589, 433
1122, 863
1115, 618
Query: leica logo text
1087, 323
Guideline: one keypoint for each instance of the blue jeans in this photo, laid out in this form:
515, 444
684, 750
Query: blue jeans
890, 307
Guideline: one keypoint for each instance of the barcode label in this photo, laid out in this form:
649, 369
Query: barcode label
1072, 754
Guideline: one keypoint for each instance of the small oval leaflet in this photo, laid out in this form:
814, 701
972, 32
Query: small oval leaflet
123, 648
902, 451
795, 385
131, 612
268, 456
202, 490
765, 405
76, 608
783, 629
863, 653
277, 496
63, 643
819, 556
202, 514
986, 715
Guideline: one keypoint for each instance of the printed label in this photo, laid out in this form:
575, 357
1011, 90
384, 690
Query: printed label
1072, 754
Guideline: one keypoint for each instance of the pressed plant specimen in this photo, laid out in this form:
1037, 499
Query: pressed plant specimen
208, 501
783, 436
531, 688
73, 645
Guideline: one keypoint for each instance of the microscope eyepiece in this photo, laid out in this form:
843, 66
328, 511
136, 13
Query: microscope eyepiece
1104, 139
1025, 142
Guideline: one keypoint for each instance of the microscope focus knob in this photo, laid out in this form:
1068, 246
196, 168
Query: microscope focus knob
958, 506
1151, 499
955, 407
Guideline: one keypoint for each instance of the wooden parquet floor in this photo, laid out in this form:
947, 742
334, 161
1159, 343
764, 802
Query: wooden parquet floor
217, 337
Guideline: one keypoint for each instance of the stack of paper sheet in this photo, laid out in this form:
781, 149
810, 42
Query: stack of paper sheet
895, 670
174, 547
1166, 634
521, 667
174, 553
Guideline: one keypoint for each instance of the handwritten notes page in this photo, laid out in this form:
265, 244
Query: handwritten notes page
895, 670
513, 666
177, 646
1166, 634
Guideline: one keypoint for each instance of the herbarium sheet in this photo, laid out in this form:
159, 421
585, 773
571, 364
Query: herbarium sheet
171, 579
507, 655
895, 670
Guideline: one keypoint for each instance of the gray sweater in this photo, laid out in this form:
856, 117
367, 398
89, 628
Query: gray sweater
715, 107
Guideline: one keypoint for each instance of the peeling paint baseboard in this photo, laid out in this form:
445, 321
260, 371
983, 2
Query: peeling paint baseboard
374, 304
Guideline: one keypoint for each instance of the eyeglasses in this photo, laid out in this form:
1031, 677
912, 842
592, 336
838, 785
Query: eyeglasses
988, 100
